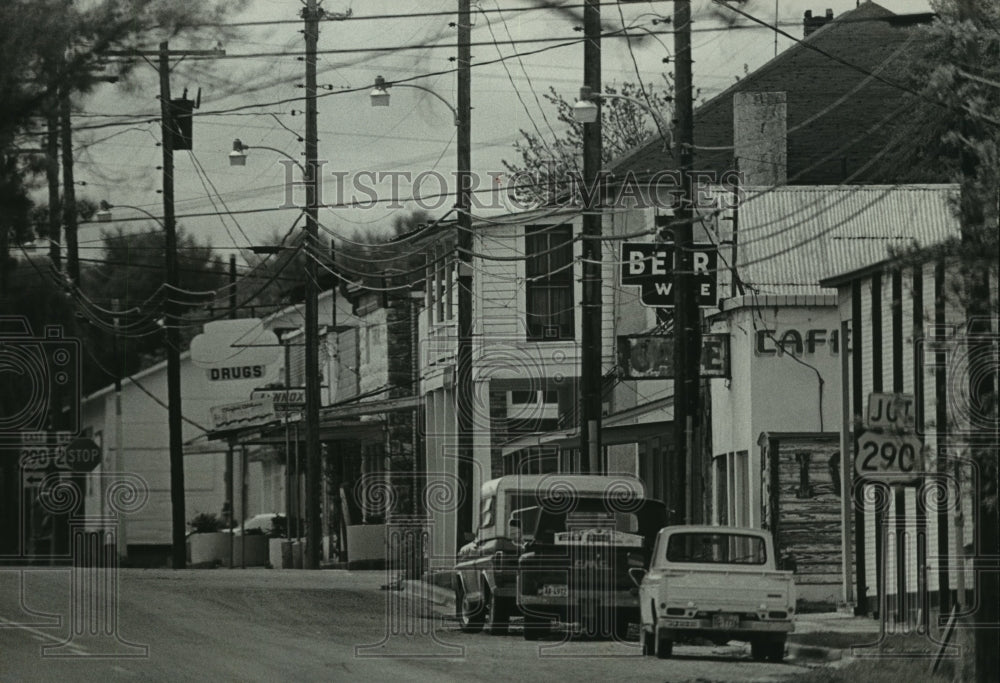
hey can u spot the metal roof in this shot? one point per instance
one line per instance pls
(791, 238)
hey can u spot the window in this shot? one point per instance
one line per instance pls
(549, 286)
(716, 548)
(486, 512)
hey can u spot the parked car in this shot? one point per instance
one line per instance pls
(575, 569)
(486, 569)
(718, 583)
(271, 524)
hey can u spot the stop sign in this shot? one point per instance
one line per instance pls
(82, 455)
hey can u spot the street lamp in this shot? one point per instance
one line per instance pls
(464, 387)
(587, 109)
(104, 215)
(380, 94)
(237, 157)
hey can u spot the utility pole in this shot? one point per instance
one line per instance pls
(311, 14)
(591, 372)
(168, 132)
(687, 317)
(119, 433)
(52, 173)
(178, 521)
(464, 389)
(228, 510)
(69, 191)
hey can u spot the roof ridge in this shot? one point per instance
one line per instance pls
(868, 9)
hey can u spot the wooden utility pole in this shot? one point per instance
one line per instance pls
(52, 174)
(69, 185)
(464, 390)
(311, 14)
(228, 509)
(119, 462)
(687, 318)
(177, 514)
(168, 132)
(591, 374)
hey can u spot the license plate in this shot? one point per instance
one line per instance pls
(726, 621)
(553, 591)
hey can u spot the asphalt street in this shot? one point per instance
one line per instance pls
(270, 625)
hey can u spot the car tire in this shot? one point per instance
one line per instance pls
(497, 617)
(775, 650)
(664, 648)
(534, 627)
(620, 627)
(648, 643)
(470, 614)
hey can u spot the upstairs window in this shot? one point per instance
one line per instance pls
(549, 282)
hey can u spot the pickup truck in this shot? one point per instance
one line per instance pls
(486, 569)
(718, 583)
(575, 568)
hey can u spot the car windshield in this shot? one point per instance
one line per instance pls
(716, 548)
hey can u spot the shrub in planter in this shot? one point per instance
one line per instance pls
(205, 523)
(208, 545)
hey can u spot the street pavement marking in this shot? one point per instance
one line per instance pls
(41, 635)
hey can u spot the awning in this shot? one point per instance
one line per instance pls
(336, 423)
(343, 430)
(649, 420)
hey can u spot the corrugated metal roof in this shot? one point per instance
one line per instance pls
(790, 238)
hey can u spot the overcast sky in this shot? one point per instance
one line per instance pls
(416, 133)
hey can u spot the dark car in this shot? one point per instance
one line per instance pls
(575, 569)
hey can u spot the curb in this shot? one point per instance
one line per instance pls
(814, 653)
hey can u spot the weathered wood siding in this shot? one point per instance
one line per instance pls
(807, 508)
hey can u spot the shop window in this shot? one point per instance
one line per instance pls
(549, 282)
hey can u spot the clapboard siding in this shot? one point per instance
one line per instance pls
(499, 312)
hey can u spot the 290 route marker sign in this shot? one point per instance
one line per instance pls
(893, 458)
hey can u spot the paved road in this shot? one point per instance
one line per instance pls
(270, 625)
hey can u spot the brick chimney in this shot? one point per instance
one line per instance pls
(811, 24)
(760, 137)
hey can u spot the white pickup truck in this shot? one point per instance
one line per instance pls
(718, 583)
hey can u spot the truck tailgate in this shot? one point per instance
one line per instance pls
(731, 591)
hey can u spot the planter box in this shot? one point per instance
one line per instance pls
(209, 548)
(256, 551)
(280, 552)
(366, 543)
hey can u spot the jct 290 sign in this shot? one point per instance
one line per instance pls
(650, 266)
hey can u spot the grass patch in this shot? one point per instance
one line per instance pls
(903, 658)
(874, 671)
